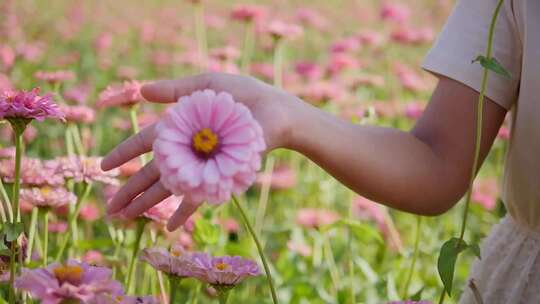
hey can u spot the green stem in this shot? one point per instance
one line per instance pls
(135, 128)
(136, 245)
(31, 234)
(70, 147)
(351, 258)
(479, 125)
(6, 201)
(405, 290)
(72, 218)
(248, 47)
(331, 262)
(45, 236)
(19, 146)
(77, 140)
(259, 249)
(195, 294)
(278, 63)
(265, 192)
(223, 297)
(154, 239)
(174, 281)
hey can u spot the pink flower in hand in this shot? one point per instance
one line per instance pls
(208, 147)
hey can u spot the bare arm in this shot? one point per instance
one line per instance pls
(424, 171)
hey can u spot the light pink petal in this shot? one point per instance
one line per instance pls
(238, 152)
(239, 136)
(224, 109)
(211, 173)
(191, 173)
(227, 166)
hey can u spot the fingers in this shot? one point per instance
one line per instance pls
(151, 197)
(167, 91)
(135, 185)
(132, 147)
(180, 216)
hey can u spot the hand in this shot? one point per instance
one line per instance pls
(270, 106)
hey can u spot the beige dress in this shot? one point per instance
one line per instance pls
(509, 271)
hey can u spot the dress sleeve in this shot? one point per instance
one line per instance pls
(464, 37)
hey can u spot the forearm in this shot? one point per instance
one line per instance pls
(387, 165)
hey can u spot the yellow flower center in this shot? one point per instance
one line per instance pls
(68, 273)
(119, 299)
(45, 190)
(176, 253)
(205, 141)
(221, 266)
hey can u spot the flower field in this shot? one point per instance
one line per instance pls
(71, 74)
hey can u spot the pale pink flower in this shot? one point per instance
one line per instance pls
(371, 38)
(125, 95)
(312, 18)
(7, 152)
(208, 147)
(7, 56)
(281, 30)
(78, 114)
(409, 79)
(93, 257)
(55, 77)
(28, 105)
(282, 177)
(185, 240)
(395, 12)
(226, 53)
(33, 173)
(340, 62)
(414, 110)
(248, 13)
(78, 94)
(485, 192)
(84, 169)
(299, 248)
(315, 218)
(264, 70)
(76, 281)
(230, 225)
(103, 42)
(161, 212)
(223, 271)
(47, 197)
(176, 262)
(504, 133)
(345, 45)
(363, 80)
(58, 227)
(31, 51)
(408, 35)
(321, 92)
(89, 212)
(127, 72)
(5, 83)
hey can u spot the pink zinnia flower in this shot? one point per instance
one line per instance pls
(299, 248)
(226, 53)
(55, 77)
(77, 94)
(395, 12)
(279, 29)
(315, 218)
(308, 70)
(208, 147)
(176, 262)
(7, 56)
(84, 169)
(309, 17)
(93, 257)
(504, 133)
(410, 79)
(372, 38)
(161, 212)
(248, 13)
(345, 45)
(74, 280)
(225, 271)
(82, 114)
(47, 197)
(5, 83)
(90, 212)
(125, 95)
(342, 61)
(485, 192)
(33, 173)
(282, 177)
(414, 110)
(58, 227)
(28, 105)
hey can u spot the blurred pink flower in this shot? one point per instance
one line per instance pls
(31, 51)
(78, 113)
(281, 30)
(127, 72)
(312, 18)
(395, 12)
(185, 240)
(226, 53)
(33, 173)
(369, 210)
(161, 212)
(75, 281)
(7, 152)
(208, 157)
(28, 105)
(248, 12)
(409, 79)
(371, 38)
(345, 45)
(177, 261)
(55, 77)
(77, 94)
(308, 70)
(363, 80)
(299, 248)
(504, 133)
(264, 70)
(125, 95)
(47, 197)
(321, 92)
(7, 56)
(89, 212)
(84, 169)
(408, 35)
(103, 42)
(340, 62)
(223, 271)
(93, 257)
(414, 110)
(58, 227)
(485, 192)
(282, 177)
(230, 225)
(315, 218)
(5, 83)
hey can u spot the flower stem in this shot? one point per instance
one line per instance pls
(79, 147)
(45, 235)
(153, 240)
(248, 46)
(278, 63)
(19, 146)
(259, 249)
(6, 201)
(136, 245)
(223, 297)
(135, 128)
(173, 287)
(200, 32)
(31, 234)
(479, 125)
(405, 290)
(72, 218)
(265, 192)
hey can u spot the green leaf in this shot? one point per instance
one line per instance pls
(13, 230)
(447, 261)
(493, 65)
(360, 229)
(418, 295)
(205, 233)
(475, 250)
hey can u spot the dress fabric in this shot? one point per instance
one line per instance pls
(509, 270)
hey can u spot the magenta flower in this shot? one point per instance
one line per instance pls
(55, 77)
(74, 280)
(414, 110)
(395, 12)
(279, 30)
(161, 212)
(224, 271)
(315, 218)
(28, 105)
(308, 70)
(176, 262)
(47, 197)
(208, 147)
(504, 133)
(125, 95)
